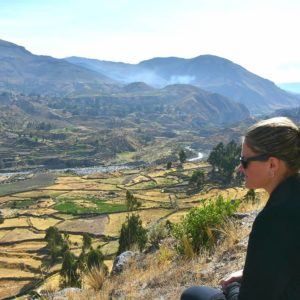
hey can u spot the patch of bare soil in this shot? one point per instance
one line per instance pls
(94, 226)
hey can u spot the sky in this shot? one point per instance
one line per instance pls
(260, 35)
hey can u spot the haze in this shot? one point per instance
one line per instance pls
(259, 35)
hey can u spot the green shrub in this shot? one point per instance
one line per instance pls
(157, 232)
(201, 223)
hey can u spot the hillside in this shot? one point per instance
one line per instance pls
(24, 72)
(211, 73)
(127, 126)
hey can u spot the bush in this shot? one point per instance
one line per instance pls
(199, 227)
(157, 232)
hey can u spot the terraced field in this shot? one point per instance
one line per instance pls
(93, 204)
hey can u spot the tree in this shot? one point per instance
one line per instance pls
(169, 165)
(131, 202)
(132, 234)
(182, 156)
(86, 241)
(69, 272)
(216, 155)
(197, 179)
(56, 244)
(224, 160)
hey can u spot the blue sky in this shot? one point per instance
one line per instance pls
(260, 35)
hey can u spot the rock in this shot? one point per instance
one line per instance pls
(120, 261)
(117, 294)
(65, 293)
(240, 216)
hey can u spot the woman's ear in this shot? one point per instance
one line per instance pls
(274, 163)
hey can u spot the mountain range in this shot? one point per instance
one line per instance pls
(211, 73)
(24, 72)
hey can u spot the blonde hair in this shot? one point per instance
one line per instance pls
(278, 137)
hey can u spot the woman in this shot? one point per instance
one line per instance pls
(270, 159)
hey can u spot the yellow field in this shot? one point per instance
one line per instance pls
(4, 199)
(154, 195)
(15, 222)
(20, 262)
(177, 217)
(6, 273)
(20, 234)
(22, 247)
(110, 248)
(43, 223)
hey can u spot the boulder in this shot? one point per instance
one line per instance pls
(122, 260)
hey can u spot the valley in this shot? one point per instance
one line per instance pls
(77, 134)
(93, 204)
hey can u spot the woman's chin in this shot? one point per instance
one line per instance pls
(249, 186)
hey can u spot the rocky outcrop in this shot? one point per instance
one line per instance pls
(121, 261)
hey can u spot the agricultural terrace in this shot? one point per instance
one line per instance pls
(93, 204)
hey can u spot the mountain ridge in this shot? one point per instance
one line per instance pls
(22, 71)
(209, 72)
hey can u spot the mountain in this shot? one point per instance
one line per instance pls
(22, 71)
(172, 107)
(211, 73)
(64, 132)
(119, 71)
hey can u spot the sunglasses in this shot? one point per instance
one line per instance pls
(246, 160)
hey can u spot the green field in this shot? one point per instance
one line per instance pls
(71, 207)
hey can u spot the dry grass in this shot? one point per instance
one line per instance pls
(95, 278)
(262, 198)
(17, 235)
(43, 223)
(14, 222)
